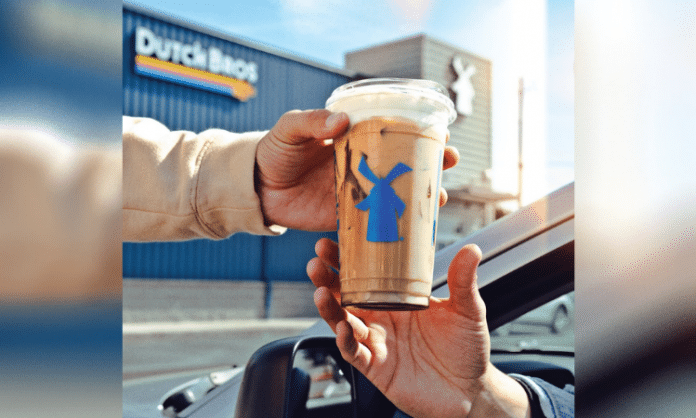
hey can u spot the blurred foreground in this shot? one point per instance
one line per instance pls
(60, 267)
(635, 206)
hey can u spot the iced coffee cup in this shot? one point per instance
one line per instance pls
(388, 170)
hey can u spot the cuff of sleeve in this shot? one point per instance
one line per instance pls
(225, 197)
(540, 403)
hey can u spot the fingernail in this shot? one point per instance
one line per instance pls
(332, 120)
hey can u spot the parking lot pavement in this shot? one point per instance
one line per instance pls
(180, 325)
(155, 348)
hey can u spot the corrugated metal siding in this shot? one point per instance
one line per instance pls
(397, 59)
(286, 256)
(238, 257)
(423, 57)
(471, 135)
(283, 84)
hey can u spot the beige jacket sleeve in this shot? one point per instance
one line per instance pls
(179, 185)
(60, 219)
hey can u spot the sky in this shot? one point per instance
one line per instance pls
(532, 39)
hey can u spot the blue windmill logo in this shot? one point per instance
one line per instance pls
(383, 204)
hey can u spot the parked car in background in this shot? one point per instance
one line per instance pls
(555, 317)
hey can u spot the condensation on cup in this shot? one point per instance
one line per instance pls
(388, 171)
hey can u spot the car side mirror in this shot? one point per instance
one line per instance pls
(296, 377)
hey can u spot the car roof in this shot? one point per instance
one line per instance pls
(512, 230)
(528, 258)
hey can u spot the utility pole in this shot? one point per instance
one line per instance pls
(520, 104)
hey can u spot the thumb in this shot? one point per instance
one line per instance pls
(296, 126)
(461, 279)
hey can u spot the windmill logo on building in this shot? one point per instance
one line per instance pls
(462, 87)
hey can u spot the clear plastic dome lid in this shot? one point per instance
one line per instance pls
(397, 95)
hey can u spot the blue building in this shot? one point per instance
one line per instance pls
(191, 78)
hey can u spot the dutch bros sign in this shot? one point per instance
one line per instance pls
(193, 65)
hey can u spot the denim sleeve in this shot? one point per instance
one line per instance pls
(547, 400)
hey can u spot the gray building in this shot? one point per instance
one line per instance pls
(472, 203)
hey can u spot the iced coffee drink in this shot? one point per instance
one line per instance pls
(388, 170)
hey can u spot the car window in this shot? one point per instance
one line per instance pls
(327, 384)
(550, 326)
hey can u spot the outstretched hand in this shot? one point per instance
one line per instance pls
(433, 362)
(295, 174)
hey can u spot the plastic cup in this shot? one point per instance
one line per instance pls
(388, 171)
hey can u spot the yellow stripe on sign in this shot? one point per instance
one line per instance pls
(240, 89)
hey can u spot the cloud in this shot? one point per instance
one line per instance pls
(335, 19)
(413, 13)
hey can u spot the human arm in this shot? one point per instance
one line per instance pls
(434, 362)
(547, 400)
(295, 170)
(180, 185)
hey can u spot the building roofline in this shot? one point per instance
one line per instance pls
(236, 39)
(424, 37)
(382, 44)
